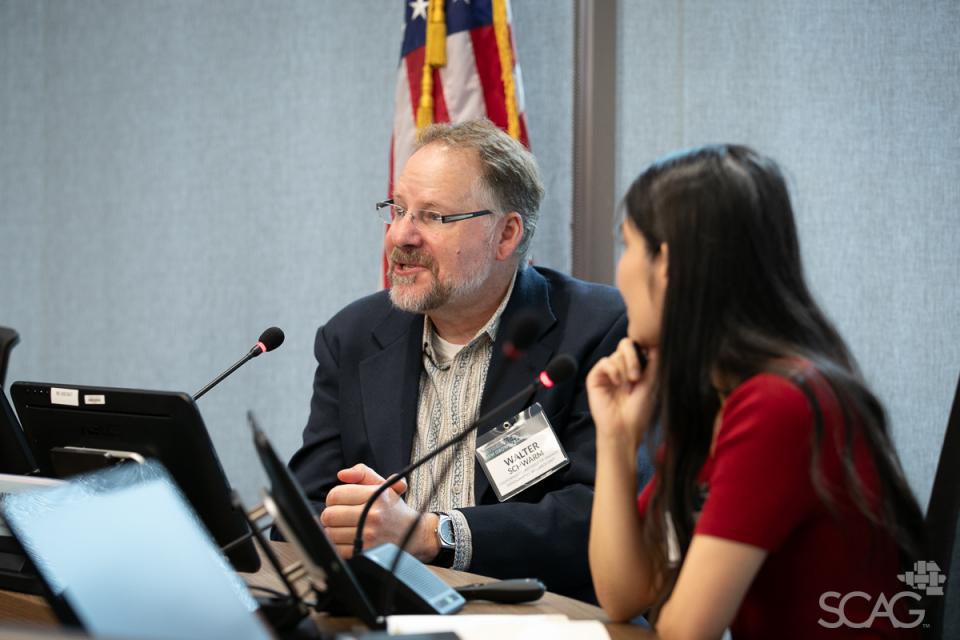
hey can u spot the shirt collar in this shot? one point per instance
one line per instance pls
(490, 329)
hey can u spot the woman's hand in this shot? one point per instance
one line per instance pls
(620, 391)
(621, 394)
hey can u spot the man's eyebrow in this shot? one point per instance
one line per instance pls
(429, 205)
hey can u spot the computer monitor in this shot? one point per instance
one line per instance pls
(162, 425)
(122, 555)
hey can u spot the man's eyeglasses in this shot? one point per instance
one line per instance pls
(391, 212)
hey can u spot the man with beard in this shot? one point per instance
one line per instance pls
(402, 371)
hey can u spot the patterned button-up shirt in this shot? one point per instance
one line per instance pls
(451, 388)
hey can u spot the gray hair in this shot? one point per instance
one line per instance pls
(510, 174)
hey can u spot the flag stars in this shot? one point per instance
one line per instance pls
(419, 9)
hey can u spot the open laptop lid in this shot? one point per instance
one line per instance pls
(298, 522)
(367, 578)
(122, 555)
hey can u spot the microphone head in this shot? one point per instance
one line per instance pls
(560, 369)
(523, 331)
(270, 339)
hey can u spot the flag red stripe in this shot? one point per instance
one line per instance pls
(414, 62)
(488, 67)
(440, 113)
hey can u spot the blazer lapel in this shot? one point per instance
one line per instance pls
(390, 379)
(506, 378)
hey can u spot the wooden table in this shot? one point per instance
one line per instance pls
(18, 608)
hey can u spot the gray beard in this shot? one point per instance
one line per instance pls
(438, 294)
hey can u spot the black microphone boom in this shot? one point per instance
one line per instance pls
(269, 340)
(559, 369)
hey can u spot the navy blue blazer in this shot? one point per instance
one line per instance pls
(364, 409)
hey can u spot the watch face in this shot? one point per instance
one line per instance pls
(446, 531)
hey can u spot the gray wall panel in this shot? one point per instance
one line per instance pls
(857, 100)
(544, 40)
(176, 176)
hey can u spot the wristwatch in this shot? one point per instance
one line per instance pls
(447, 539)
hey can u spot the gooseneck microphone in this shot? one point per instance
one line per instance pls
(560, 369)
(523, 331)
(268, 341)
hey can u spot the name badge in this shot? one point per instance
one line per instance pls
(520, 453)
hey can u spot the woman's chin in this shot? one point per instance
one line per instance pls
(642, 339)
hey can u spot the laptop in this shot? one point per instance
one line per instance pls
(121, 554)
(362, 586)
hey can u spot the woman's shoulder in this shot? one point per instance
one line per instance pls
(778, 403)
(784, 381)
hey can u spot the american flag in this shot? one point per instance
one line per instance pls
(460, 49)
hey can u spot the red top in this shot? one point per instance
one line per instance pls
(760, 492)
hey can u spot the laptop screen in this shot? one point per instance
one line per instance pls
(128, 557)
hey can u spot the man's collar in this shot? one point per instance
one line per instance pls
(490, 329)
(530, 291)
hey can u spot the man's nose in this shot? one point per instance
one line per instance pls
(404, 232)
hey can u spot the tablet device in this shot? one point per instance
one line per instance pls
(121, 554)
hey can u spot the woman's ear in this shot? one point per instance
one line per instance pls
(662, 264)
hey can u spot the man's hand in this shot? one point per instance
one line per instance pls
(387, 521)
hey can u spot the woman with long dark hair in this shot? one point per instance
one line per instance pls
(777, 488)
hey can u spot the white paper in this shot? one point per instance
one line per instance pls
(501, 627)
